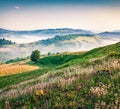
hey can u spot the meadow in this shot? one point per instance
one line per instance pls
(82, 80)
(19, 67)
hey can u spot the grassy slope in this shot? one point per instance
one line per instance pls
(74, 95)
(103, 51)
(64, 60)
(60, 61)
(48, 63)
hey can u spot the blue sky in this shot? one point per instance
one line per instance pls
(31, 2)
(96, 15)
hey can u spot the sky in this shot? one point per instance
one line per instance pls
(94, 15)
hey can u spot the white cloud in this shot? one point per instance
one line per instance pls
(17, 7)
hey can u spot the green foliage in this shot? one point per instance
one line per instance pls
(49, 53)
(35, 56)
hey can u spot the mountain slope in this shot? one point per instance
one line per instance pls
(103, 51)
(86, 84)
(68, 59)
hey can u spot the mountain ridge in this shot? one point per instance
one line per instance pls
(57, 30)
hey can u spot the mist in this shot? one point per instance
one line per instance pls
(73, 45)
(26, 38)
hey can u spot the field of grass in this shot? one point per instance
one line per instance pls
(87, 80)
(20, 67)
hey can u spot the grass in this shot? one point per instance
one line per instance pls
(64, 60)
(8, 69)
(70, 80)
(102, 51)
(96, 89)
(6, 81)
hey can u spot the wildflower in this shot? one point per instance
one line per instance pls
(7, 104)
(40, 92)
(100, 90)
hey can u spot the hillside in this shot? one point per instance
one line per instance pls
(59, 43)
(67, 80)
(103, 51)
(58, 39)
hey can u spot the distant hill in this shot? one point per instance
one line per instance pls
(72, 42)
(35, 35)
(4, 31)
(58, 31)
(58, 38)
(59, 43)
(52, 40)
(115, 34)
(43, 34)
(5, 42)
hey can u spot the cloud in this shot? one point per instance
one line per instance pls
(17, 7)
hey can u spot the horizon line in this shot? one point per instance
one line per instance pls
(60, 28)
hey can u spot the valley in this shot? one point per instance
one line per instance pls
(53, 40)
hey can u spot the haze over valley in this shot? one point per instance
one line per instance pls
(53, 40)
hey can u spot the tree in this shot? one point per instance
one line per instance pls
(49, 53)
(35, 56)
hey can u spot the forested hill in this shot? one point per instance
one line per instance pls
(5, 42)
(62, 38)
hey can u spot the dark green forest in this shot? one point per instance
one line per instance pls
(5, 42)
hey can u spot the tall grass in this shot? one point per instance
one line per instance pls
(78, 86)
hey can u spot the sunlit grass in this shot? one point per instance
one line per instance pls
(8, 69)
